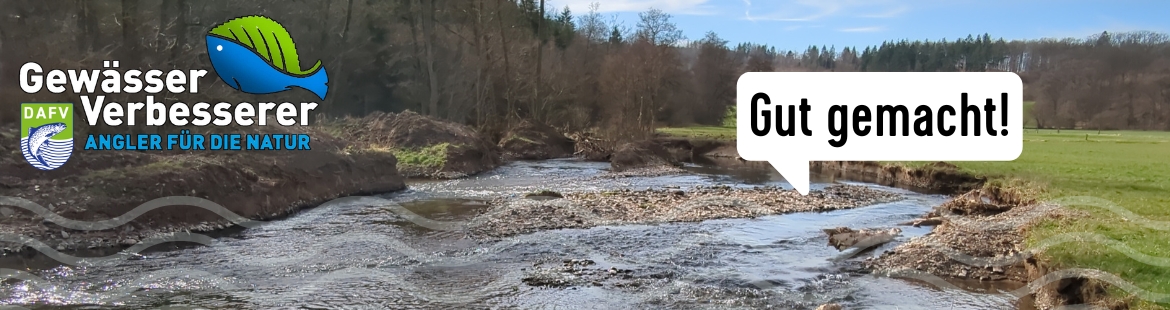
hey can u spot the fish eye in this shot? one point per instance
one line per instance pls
(219, 48)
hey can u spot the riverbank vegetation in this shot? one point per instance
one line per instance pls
(1125, 168)
(495, 64)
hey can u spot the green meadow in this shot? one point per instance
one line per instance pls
(1130, 169)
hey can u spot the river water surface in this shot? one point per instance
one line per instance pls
(362, 256)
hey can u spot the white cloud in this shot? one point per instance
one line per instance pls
(891, 13)
(813, 10)
(863, 29)
(689, 7)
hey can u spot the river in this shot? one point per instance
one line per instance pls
(362, 256)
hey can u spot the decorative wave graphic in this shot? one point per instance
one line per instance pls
(97, 261)
(55, 153)
(1078, 237)
(1049, 278)
(215, 208)
(479, 255)
(1075, 237)
(121, 292)
(116, 293)
(1125, 214)
(128, 216)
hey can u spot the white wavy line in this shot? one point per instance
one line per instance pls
(1113, 207)
(128, 216)
(1078, 237)
(122, 291)
(1049, 278)
(359, 273)
(1044, 209)
(333, 242)
(312, 286)
(93, 261)
(217, 209)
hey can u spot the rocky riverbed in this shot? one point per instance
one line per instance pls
(577, 210)
(979, 237)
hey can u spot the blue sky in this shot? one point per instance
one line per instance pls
(796, 24)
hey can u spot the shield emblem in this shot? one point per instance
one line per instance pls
(46, 134)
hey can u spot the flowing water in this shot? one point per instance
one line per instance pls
(363, 256)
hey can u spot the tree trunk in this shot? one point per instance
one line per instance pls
(428, 48)
(131, 41)
(507, 74)
(537, 102)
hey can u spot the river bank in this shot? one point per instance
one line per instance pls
(103, 199)
(343, 163)
(120, 198)
(1097, 184)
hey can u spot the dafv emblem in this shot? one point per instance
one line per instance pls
(256, 55)
(46, 134)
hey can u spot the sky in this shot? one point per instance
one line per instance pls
(796, 24)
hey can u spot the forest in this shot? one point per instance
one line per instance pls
(494, 63)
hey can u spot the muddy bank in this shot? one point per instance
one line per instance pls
(939, 177)
(533, 141)
(980, 236)
(258, 185)
(579, 210)
(642, 154)
(425, 147)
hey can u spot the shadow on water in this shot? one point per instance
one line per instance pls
(345, 256)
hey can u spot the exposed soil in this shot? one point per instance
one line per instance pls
(1071, 291)
(980, 236)
(100, 185)
(467, 152)
(717, 149)
(985, 224)
(642, 154)
(937, 177)
(579, 210)
(533, 141)
(680, 150)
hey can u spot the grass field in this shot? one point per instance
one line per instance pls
(1131, 169)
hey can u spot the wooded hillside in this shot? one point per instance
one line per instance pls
(491, 63)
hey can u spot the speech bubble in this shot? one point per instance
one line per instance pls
(835, 116)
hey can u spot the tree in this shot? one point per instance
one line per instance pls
(565, 30)
(591, 26)
(655, 26)
(715, 77)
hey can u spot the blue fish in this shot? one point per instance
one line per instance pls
(37, 136)
(242, 69)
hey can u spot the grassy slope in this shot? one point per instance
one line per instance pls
(1129, 168)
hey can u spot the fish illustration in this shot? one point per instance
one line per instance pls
(38, 136)
(242, 69)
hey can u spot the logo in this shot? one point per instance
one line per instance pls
(256, 55)
(46, 134)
